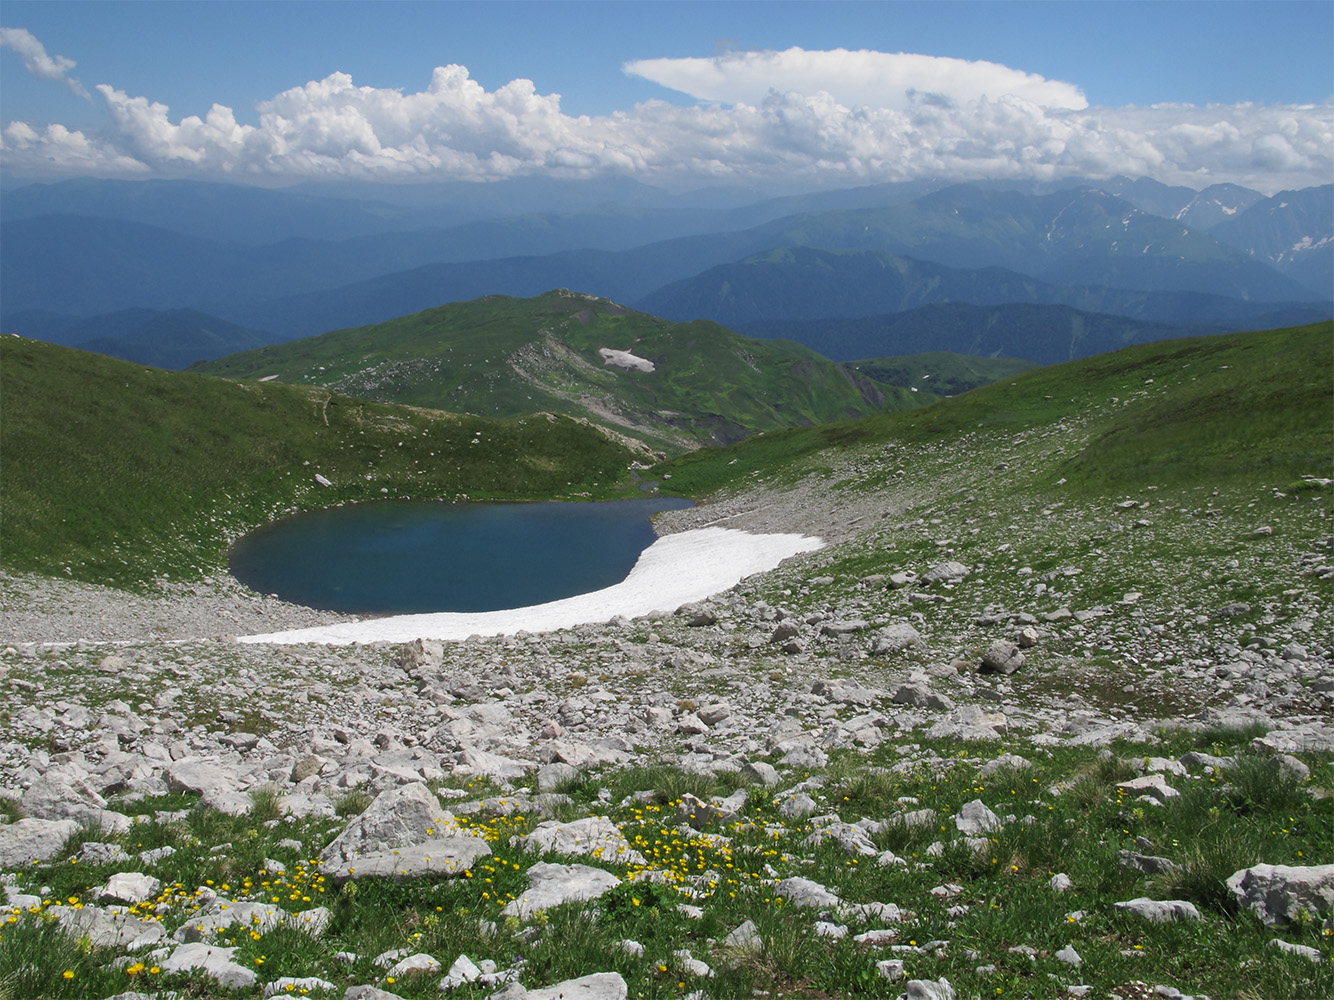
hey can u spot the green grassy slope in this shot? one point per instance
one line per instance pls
(115, 473)
(940, 373)
(502, 356)
(1247, 407)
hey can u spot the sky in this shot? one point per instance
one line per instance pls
(679, 94)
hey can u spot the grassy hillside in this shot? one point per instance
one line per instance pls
(115, 473)
(501, 356)
(940, 373)
(1237, 408)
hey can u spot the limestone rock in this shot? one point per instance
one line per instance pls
(928, 989)
(442, 857)
(294, 986)
(1155, 786)
(745, 938)
(408, 814)
(215, 963)
(195, 774)
(599, 986)
(29, 840)
(1002, 657)
(596, 836)
(129, 887)
(1160, 911)
(946, 572)
(1280, 893)
(894, 639)
(802, 892)
(974, 817)
(551, 885)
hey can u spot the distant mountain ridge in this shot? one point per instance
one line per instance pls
(803, 283)
(1040, 334)
(672, 385)
(1098, 248)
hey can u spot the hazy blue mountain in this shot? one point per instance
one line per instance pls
(1197, 209)
(1293, 231)
(1042, 334)
(802, 283)
(1080, 236)
(175, 338)
(92, 266)
(226, 213)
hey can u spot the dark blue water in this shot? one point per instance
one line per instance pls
(410, 557)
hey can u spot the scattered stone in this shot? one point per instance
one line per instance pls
(214, 962)
(550, 885)
(927, 989)
(974, 817)
(894, 639)
(802, 892)
(447, 856)
(745, 938)
(1002, 657)
(1154, 786)
(1160, 911)
(401, 816)
(596, 836)
(1282, 893)
(29, 840)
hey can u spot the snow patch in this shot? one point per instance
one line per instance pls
(674, 570)
(626, 360)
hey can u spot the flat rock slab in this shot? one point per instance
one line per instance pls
(195, 774)
(106, 929)
(551, 885)
(30, 840)
(448, 856)
(803, 892)
(216, 963)
(596, 836)
(599, 986)
(289, 985)
(1160, 911)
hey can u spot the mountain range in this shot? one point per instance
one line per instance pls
(257, 266)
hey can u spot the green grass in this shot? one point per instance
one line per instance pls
(1003, 900)
(502, 357)
(118, 474)
(940, 373)
(1239, 408)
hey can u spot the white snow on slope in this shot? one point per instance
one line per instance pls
(674, 570)
(624, 359)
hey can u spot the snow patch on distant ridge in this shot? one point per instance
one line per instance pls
(624, 359)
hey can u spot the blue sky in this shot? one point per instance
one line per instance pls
(1122, 56)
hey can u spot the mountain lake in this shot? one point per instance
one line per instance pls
(420, 556)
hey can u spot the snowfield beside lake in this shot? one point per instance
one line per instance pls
(674, 570)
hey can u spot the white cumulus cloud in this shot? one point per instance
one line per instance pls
(36, 60)
(456, 129)
(862, 78)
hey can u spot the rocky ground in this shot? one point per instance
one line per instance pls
(950, 610)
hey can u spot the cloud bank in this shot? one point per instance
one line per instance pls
(815, 119)
(862, 78)
(37, 62)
